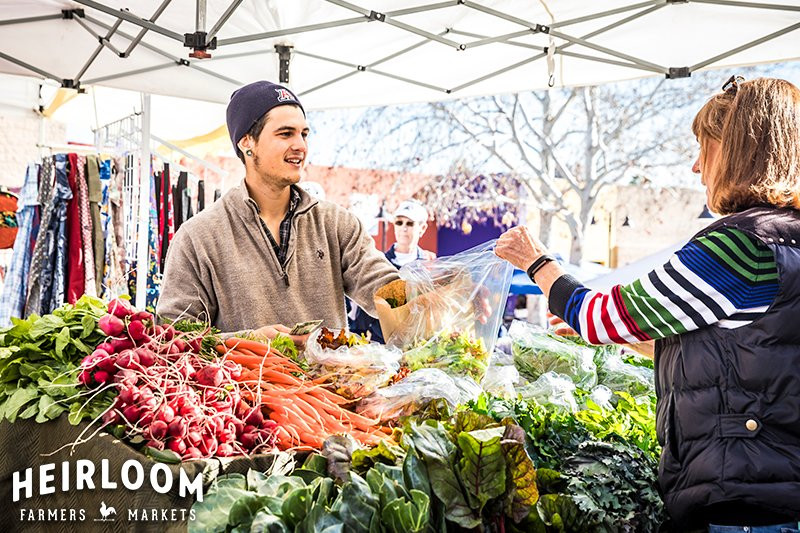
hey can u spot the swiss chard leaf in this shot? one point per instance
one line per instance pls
(482, 466)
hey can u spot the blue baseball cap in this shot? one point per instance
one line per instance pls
(250, 103)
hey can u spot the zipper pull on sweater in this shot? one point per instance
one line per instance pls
(286, 278)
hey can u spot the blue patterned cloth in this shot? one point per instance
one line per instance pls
(15, 288)
(45, 199)
(53, 277)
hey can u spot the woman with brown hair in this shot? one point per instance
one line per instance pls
(723, 313)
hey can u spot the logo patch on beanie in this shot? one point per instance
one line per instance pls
(284, 95)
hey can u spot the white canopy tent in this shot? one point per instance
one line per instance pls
(336, 53)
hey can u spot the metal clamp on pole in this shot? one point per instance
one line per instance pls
(197, 42)
(284, 52)
(678, 72)
(374, 15)
(69, 14)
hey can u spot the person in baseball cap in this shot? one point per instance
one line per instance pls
(268, 255)
(410, 221)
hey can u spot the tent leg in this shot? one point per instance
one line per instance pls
(143, 237)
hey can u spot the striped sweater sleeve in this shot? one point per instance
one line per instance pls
(725, 277)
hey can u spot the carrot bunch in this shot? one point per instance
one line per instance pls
(306, 412)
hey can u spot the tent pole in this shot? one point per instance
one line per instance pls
(143, 237)
(103, 42)
(751, 44)
(30, 19)
(133, 19)
(37, 70)
(168, 56)
(156, 14)
(735, 3)
(640, 62)
(224, 18)
(131, 73)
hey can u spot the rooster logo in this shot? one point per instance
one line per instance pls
(105, 512)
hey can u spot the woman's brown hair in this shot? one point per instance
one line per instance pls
(708, 123)
(760, 159)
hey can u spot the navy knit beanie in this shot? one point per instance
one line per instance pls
(250, 103)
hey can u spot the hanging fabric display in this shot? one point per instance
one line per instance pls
(95, 195)
(12, 301)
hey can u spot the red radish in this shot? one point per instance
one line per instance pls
(106, 346)
(101, 376)
(108, 364)
(180, 344)
(169, 332)
(224, 450)
(131, 414)
(250, 440)
(194, 437)
(128, 394)
(192, 453)
(111, 325)
(166, 414)
(157, 444)
(238, 427)
(111, 417)
(146, 418)
(210, 376)
(85, 377)
(127, 377)
(177, 428)
(269, 425)
(146, 356)
(254, 417)
(142, 316)
(136, 330)
(128, 359)
(195, 344)
(177, 445)
(120, 308)
(158, 429)
(121, 343)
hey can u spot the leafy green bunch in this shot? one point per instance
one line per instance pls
(40, 359)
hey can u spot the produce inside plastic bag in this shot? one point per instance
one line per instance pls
(446, 295)
(354, 371)
(551, 390)
(458, 354)
(537, 351)
(415, 392)
(618, 375)
(501, 377)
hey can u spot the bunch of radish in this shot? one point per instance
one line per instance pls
(169, 394)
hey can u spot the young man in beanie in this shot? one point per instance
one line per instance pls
(267, 255)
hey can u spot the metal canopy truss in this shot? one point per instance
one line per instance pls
(509, 33)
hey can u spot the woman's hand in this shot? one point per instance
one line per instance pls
(519, 247)
(561, 328)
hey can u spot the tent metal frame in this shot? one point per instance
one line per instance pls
(201, 41)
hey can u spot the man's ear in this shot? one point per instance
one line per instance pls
(422, 228)
(246, 143)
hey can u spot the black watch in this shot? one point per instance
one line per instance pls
(538, 264)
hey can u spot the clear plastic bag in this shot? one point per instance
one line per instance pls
(355, 371)
(618, 375)
(501, 377)
(602, 397)
(445, 296)
(416, 391)
(458, 354)
(537, 351)
(551, 390)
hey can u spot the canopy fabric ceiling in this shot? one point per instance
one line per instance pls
(371, 52)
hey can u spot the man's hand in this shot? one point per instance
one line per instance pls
(272, 331)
